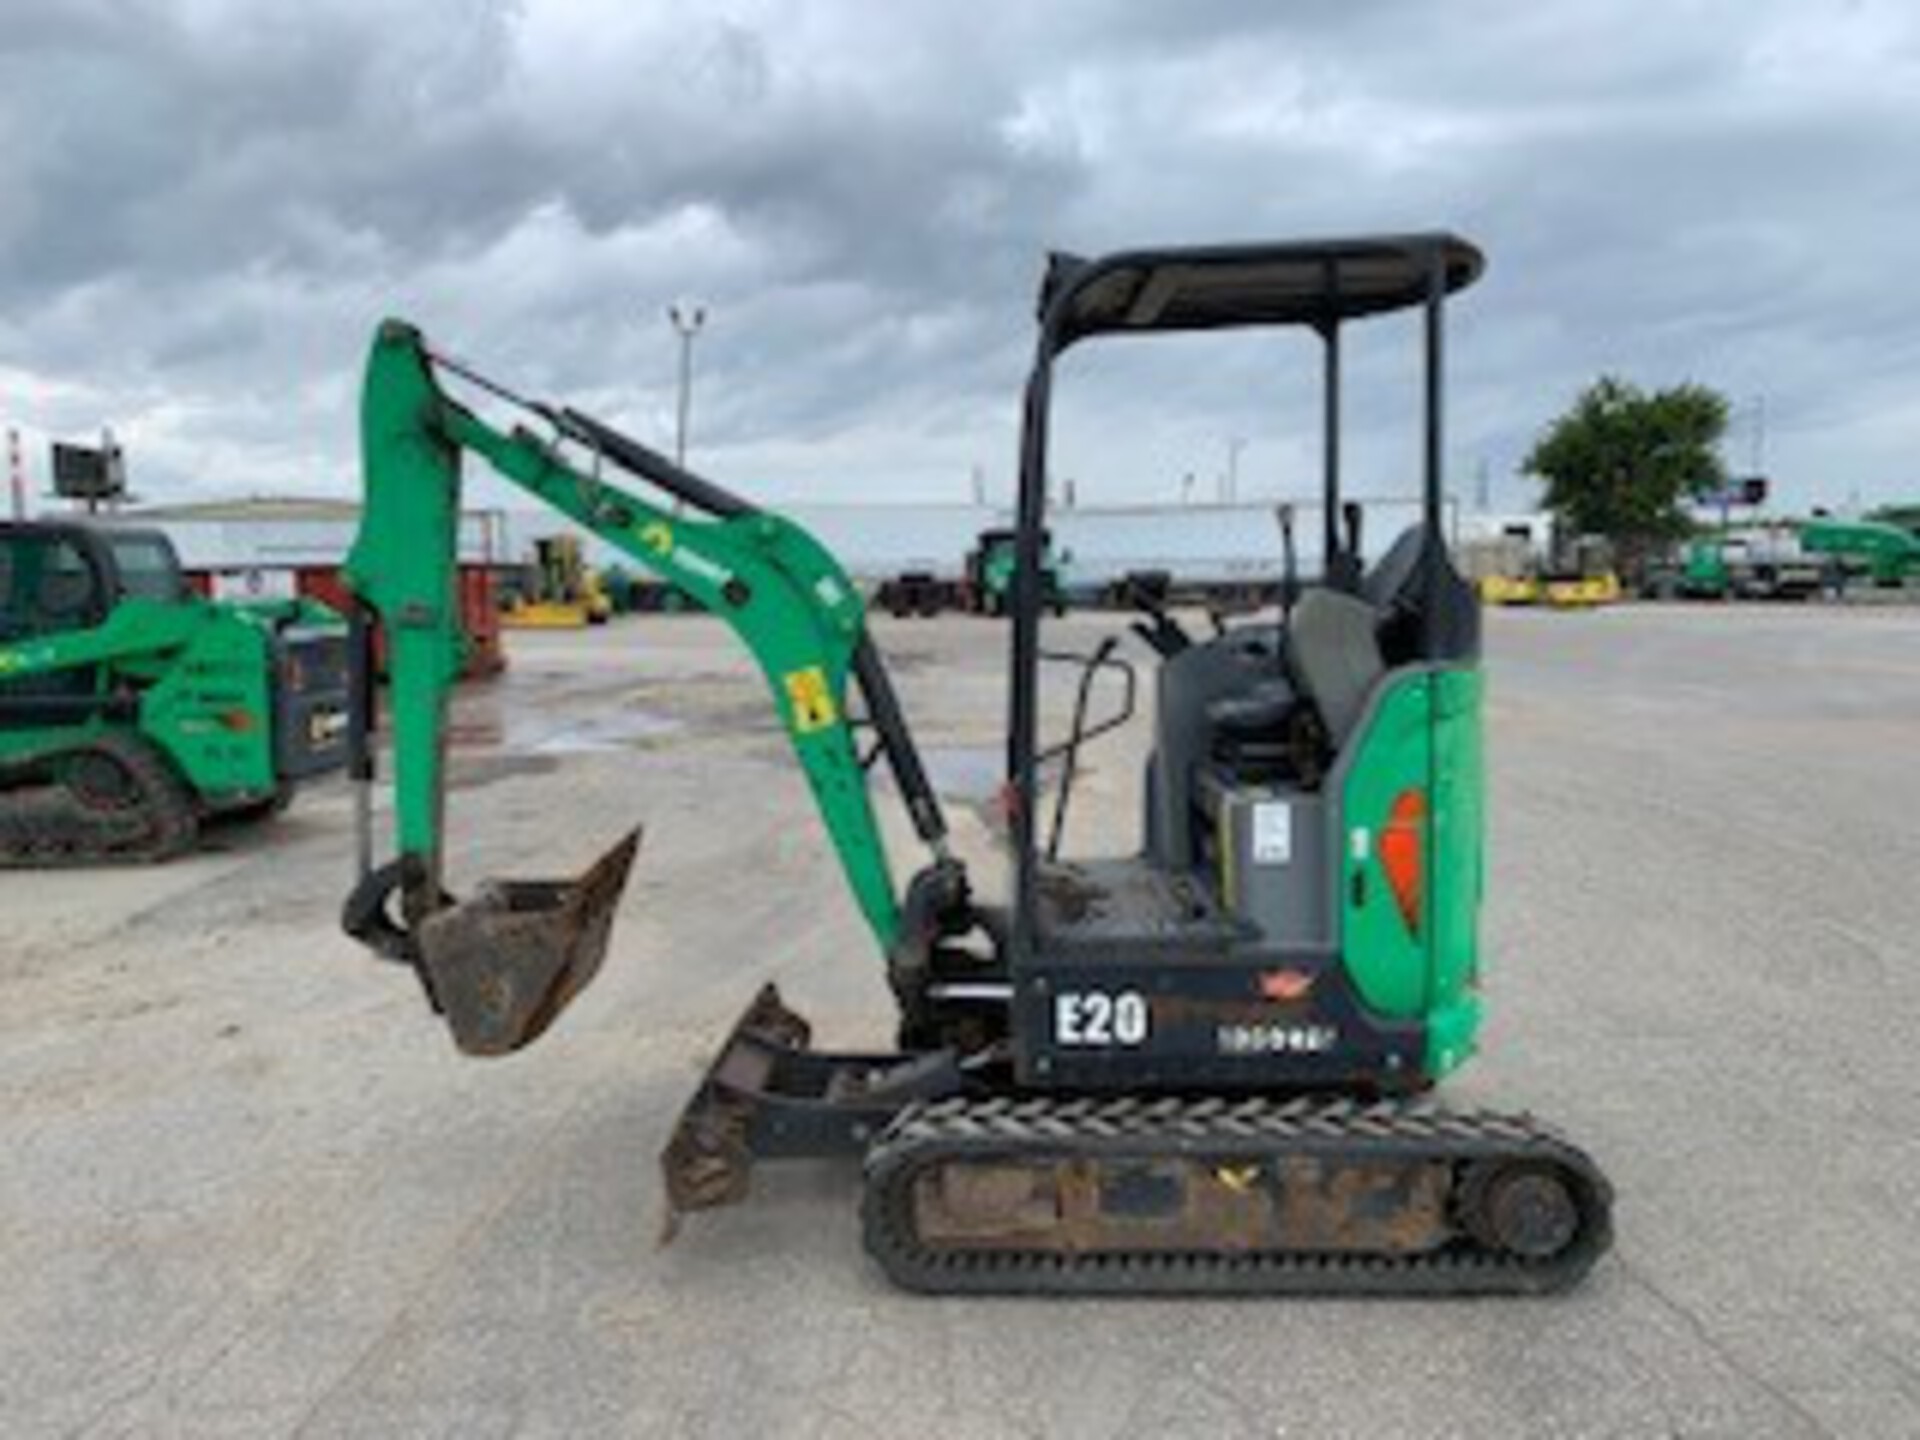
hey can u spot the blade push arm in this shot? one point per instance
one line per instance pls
(775, 586)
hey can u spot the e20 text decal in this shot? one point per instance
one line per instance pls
(1095, 1017)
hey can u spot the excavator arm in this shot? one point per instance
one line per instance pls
(501, 965)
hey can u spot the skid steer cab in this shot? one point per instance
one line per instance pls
(1197, 1062)
(132, 709)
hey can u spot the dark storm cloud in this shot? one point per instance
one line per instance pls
(212, 201)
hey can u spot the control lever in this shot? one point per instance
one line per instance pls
(1290, 564)
(1344, 566)
(1163, 634)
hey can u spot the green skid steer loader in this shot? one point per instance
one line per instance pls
(131, 708)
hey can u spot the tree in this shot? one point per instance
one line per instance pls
(1622, 462)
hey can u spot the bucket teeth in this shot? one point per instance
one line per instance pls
(504, 964)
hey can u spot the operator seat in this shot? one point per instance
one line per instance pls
(1338, 647)
(1331, 659)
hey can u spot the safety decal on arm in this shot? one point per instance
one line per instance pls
(812, 701)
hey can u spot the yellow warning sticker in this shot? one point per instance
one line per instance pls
(813, 707)
(657, 536)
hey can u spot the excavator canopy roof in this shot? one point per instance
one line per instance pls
(1211, 287)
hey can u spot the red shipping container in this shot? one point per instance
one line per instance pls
(479, 610)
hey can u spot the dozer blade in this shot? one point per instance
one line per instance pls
(504, 964)
(707, 1161)
(769, 1093)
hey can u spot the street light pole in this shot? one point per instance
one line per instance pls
(1235, 444)
(686, 321)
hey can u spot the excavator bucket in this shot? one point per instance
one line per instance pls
(504, 964)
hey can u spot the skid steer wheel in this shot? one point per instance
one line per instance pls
(1524, 1208)
(101, 782)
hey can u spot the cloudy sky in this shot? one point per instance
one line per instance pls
(210, 203)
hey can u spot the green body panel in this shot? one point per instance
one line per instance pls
(204, 673)
(1424, 735)
(775, 585)
(1886, 552)
(1704, 570)
(1456, 882)
(1394, 753)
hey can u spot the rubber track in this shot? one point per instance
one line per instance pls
(1253, 1128)
(44, 827)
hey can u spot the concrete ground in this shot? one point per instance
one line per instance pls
(249, 1188)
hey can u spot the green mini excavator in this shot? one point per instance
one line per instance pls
(1196, 1067)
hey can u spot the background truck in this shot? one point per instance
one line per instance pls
(990, 566)
(1875, 550)
(1760, 563)
(918, 592)
(1566, 572)
(132, 708)
(556, 590)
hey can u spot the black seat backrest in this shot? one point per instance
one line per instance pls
(1334, 649)
(1396, 587)
(1395, 574)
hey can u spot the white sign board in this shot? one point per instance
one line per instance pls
(253, 583)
